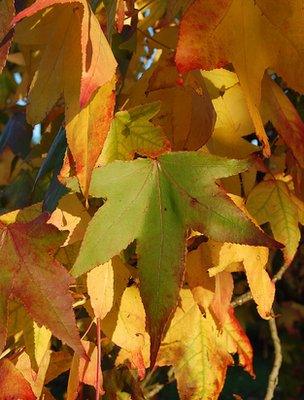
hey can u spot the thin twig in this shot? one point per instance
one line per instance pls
(98, 360)
(274, 375)
(147, 36)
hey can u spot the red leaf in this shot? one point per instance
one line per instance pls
(31, 275)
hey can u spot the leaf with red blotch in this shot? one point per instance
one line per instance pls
(7, 13)
(31, 275)
(76, 58)
(279, 109)
(87, 129)
(215, 33)
(13, 385)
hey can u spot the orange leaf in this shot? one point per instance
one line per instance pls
(87, 129)
(97, 61)
(13, 385)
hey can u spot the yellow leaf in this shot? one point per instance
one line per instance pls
(253, 36)
(254, 260)
(63, 32)
(100, 283)
(233, 122)
(194, 348)
(71, 215)
(125, 324)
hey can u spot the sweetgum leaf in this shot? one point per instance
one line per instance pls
(155, 202)
(252, 36)
(65, 32)
(31, 275)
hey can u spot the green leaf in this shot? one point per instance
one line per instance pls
(155, 202)
(132, 132)
(272, 201)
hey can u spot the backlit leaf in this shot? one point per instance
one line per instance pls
(251, 36)
(272, 201)
(156, 202)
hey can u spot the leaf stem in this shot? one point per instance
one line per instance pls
(98, 359)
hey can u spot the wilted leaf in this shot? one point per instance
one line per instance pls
(187, 115)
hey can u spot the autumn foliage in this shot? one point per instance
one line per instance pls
(161, 187)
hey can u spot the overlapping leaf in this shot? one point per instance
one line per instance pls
(156, 202)
(31, 275)
(272, 201)
(212, 34)
(12, 383)
(132, 132)
(198, 356)
(76, 59)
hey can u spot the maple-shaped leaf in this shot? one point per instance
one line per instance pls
(272, 201)
(76, 58)
(250, 35)
(155, 202)
(12, 383)
(7, 13)
(132, 132)
(196, 352)
(31, 275)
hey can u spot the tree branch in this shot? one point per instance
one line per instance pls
(274, 375)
